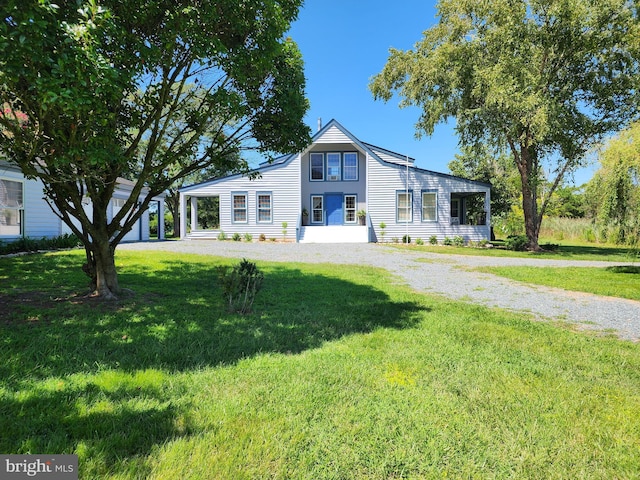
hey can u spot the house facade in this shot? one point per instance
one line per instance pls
(25, 213)
(339, 190)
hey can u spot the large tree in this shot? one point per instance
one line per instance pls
(150, 90)
(544, 79)
(615, 188)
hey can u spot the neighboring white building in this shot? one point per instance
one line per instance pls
(25, 213)
(332, 181)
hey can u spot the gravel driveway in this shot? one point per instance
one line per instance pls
(442, 274)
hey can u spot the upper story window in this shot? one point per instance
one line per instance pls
(11, 207)
(333, 167)
(350, 166)
(317, 166)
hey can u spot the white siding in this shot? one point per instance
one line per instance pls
(385, 180)
(333, 135)
(282, 181)
(39, 220)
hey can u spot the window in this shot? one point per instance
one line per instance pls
(333, 167)
(455, 211)
(264, 207)
(349, 209)
(239, 206)
(350, 166)
(429, 206)
(119, 202)
(317, 215)
(11, 207)
(404, 206)
(317, 166)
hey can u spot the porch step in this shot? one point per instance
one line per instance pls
(334, 234)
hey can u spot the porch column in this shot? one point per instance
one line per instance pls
(183, 216)
(161, 219)
(487, 208)
(194, 213)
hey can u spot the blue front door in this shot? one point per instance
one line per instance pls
(333, 204)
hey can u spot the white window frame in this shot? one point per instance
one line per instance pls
(317, 156)
(335, 176)
(350, 210)
(260, 209)
(317, 210)
(434, 194)
(17, 210)
(408, 209)
(346, 169)
(245, 209)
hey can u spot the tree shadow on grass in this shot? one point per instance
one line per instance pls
(175, 322)
(631, 269)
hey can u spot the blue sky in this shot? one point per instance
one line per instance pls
(346, 42)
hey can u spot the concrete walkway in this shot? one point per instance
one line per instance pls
(442, 274)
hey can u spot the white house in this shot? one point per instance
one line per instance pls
(25, 213)
(320, 192)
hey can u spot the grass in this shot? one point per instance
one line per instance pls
(620, 281)
(338, 373)
(564, 251)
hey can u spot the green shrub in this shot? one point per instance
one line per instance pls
(26, 244)
(248, 237)
(458, 241)
(419, 241)
(447, 241)
(239, 285)
(222, 236)
(236, 237)
(406, 239)
(516, 242)
(433, 240)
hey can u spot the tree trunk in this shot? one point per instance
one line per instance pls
(101, 268)
(527, 166)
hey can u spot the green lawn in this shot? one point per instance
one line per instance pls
(622, 281)
(563, 251)
(338, 373)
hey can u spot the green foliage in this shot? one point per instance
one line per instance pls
(239, 285)
(236, 237)
(447, 241)
(222, 236)
(614, 190)
(533, 78)
(433, 240)
(406, 239)
(248, 237)
(458, 241)
(284, 229)
(26, 244)
(419, 241)
(154, 92)
(516, 242)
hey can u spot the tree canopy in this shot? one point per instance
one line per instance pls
(543, 79)
(95, 90)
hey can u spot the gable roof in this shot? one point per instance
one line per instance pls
(382, 155)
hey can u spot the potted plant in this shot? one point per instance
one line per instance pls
(362, 216)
